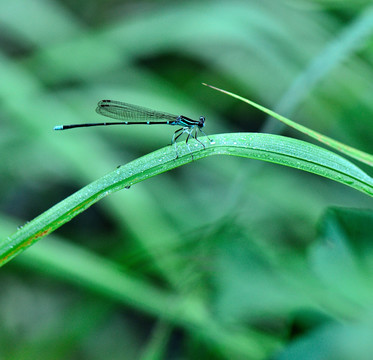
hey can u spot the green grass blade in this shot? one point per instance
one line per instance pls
(351, 39)
(345, 149)
(78, 266)
(266, 147)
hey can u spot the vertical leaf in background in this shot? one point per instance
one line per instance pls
(351, 39)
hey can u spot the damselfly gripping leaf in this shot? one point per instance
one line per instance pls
(128, 114)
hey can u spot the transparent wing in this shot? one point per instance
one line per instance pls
(128, 112)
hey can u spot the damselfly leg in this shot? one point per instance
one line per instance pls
(192, 133)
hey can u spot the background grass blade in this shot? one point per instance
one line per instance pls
(345, 149)
(82, 268)
(351, 39)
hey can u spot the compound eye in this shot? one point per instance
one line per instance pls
(201, 122)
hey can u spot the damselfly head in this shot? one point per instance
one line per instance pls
(201, 122)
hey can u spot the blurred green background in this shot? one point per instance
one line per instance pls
(224, 258)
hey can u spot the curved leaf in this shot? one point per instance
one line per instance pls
(272, 148)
